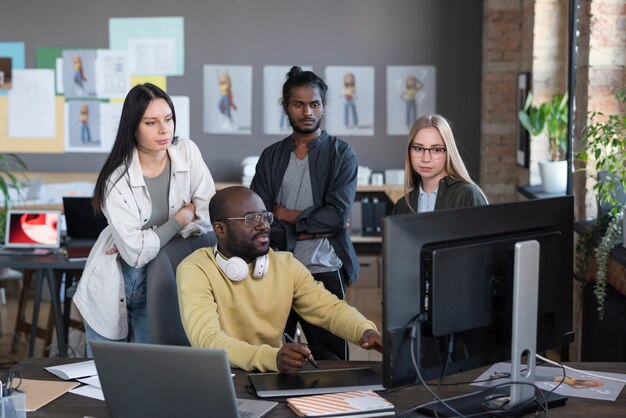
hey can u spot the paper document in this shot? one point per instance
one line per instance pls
(41, 392)
(74, 370)
(92, 381)
(89, 391)
(576, 384)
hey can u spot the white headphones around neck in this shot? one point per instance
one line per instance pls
(236, 269)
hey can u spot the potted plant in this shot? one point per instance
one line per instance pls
(604, 155)
(11, 166)
(549, 118)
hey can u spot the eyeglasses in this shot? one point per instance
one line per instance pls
(253, 219)
(436, 153)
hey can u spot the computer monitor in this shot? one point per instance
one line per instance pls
(448, 283)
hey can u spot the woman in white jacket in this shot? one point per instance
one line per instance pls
(152, 186)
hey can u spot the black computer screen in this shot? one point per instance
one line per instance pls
(448, 285)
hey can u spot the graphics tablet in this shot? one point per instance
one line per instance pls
(313, 382)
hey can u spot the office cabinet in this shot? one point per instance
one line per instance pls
(369, 275)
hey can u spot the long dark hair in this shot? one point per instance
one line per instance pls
(296, 77)
(135, 105)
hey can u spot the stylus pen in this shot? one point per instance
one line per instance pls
(309, 359)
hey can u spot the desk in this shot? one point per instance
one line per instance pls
(70, 405)
(53, 266)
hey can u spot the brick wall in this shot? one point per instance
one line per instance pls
(601, 70)
(507, 50)
(519, 36)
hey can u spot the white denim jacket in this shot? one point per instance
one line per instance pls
(100, 296)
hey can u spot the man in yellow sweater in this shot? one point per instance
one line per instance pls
(238, 295)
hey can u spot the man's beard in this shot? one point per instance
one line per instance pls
(299, 130)
(246, 249)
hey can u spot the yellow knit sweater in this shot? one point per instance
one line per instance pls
(247, 318)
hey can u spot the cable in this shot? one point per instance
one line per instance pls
(555, 363)
(445, 367)
(543, 405)
(413, 337)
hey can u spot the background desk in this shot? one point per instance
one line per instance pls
(70, 405)
(52, 267)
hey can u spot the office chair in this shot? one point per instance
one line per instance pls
(163, 315)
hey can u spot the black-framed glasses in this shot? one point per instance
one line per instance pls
(435, 152)
(253, 219)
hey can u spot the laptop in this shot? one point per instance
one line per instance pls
(31, 232)
(81, 222)
(164, 381)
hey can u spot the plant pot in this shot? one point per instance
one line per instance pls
(553, 176)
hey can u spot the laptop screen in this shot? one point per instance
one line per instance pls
(32, 229)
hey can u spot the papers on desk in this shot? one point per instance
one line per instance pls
(92, 381)
(41, 392)
(74, 370)
(89, 391)
(85, 370)
(576, 384)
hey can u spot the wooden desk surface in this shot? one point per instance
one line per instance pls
(70, 405)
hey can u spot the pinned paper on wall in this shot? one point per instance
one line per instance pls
(158, 80)
(152, 56)
(158, 34)
(11, 58)
(411, 93)
(51, 58)
(181, 106)
(31, 104)
(227, 99)
(91, 126)
(113, 78)
(110, 114)
(26, 145)
(79, 73)
(351, 100)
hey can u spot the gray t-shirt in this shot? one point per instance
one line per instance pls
(159, 191)
(295, 193)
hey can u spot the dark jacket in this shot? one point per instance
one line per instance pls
(333, 167)
(452, 194)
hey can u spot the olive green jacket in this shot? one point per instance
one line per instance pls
(452, 194)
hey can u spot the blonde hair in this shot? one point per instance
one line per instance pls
(455, 167)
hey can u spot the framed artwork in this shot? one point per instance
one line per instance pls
(522, 137)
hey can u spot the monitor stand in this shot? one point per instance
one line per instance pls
(521, 397)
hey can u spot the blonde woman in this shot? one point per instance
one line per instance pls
(435, 175)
